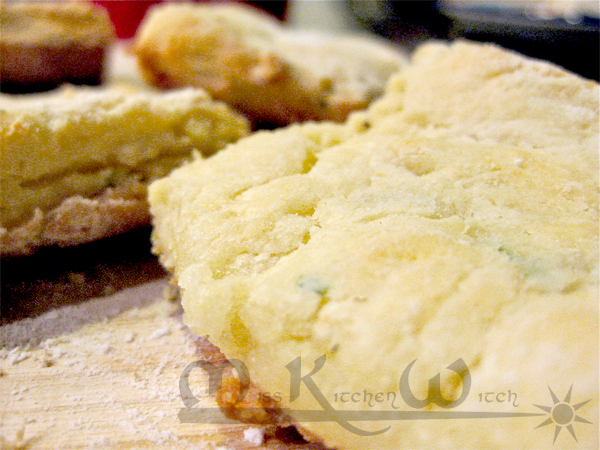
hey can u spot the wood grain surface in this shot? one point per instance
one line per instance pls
(78, 370)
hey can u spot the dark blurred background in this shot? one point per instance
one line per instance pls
(554, 31)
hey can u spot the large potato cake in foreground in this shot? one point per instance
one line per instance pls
(454, 223)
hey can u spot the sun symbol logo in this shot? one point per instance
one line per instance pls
(562, 414)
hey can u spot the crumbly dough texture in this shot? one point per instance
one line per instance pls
(456, 218)
(271, 73)
(75, 163)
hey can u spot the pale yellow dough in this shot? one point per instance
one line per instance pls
(456, 218)
(75, 162)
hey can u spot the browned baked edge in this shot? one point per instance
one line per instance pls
(78, 220)
(262, 88)
(255, 408)
(33, 68)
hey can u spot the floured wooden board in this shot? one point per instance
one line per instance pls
(91, 348)
(105, 374)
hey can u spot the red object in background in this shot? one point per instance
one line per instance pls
(126, 15)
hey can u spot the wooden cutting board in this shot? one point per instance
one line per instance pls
(103, 372)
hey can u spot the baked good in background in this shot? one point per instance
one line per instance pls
(251, 61)
(457, 218)
(46, 44)
(75, 162)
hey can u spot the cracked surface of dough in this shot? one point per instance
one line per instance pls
(456, 218)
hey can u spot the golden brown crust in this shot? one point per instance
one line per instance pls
(261, 86)
(249, 61)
